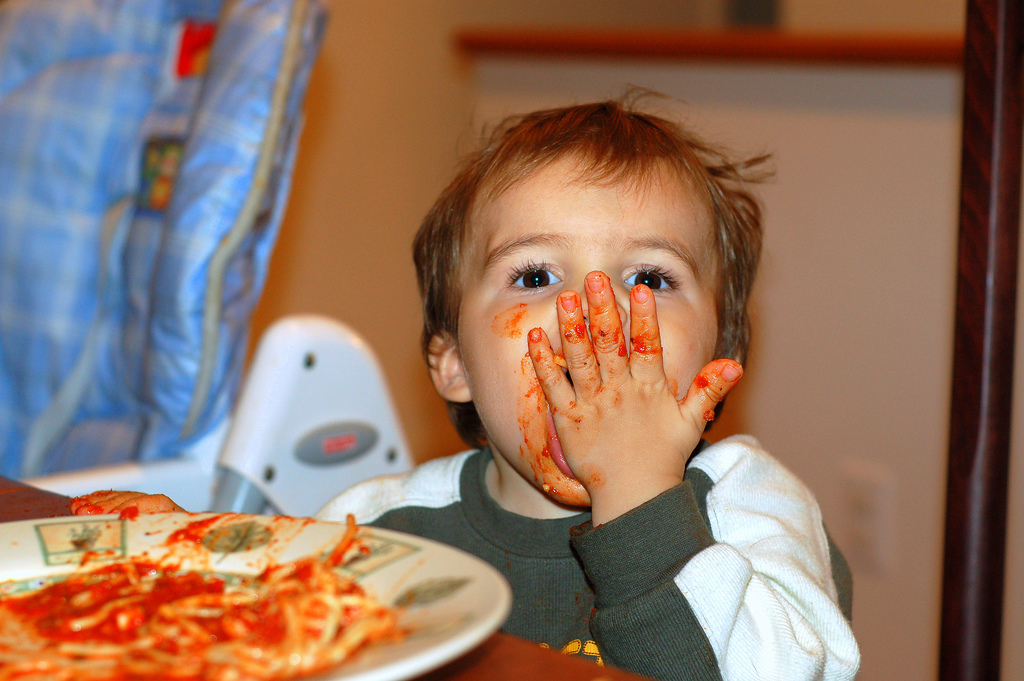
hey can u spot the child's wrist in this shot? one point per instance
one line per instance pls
(611, 501)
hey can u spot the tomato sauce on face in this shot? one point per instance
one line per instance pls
(509, 323)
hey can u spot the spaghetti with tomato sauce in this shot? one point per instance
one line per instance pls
(140, 621)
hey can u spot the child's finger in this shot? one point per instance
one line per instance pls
(606, 327)
(645, 356)
(98, 502)
(552, 381)
(709, 388)
(579, 353)
(84, 508)
(149, 503)
(79, 503)
(90, 499)
(109, 501)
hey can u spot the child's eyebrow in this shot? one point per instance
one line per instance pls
(673, 248)
(511, 246)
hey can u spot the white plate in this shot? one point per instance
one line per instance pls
(450, 601)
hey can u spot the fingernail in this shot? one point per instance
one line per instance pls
(594, 282)
(535, 335)
(731, 371)
(569, 302)
(641, 294)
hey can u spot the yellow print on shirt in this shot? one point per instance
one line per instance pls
(578, 647)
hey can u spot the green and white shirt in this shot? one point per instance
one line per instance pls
(730, 575)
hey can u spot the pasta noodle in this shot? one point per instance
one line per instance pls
(137, 621)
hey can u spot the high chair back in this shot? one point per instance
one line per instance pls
(146, 150)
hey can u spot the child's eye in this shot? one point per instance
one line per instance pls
(652, 279)
(534, 277)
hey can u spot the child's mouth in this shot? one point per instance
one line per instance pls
(555, 448)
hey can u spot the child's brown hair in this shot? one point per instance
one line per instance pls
(613, 142)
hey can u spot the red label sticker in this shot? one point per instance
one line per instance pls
(194, 51)
(339, 444)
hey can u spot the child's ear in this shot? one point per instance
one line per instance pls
(446, 369)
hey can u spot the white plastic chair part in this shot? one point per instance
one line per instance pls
(189, 479)
(314, 417)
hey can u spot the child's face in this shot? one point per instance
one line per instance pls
(540, 237)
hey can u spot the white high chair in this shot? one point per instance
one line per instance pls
(314, 417)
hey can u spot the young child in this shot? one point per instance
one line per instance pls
(580, 276)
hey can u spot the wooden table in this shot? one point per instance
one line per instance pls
(21, 502)
(502, 657)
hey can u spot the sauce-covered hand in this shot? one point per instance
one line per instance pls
(129, 504)
(621, 428)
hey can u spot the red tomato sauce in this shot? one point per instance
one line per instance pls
(130, 513)
(575, 333)
(58, 610)
(195, 531)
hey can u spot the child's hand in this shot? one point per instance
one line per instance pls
(624, 434)
(109, 501)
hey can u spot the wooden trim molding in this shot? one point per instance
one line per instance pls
(749, 45)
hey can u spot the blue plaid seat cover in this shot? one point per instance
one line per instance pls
(105, 274)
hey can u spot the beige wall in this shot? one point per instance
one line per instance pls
(877, 15)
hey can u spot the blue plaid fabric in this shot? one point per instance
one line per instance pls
(97, 275)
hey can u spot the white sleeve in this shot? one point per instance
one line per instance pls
(434, 484)
(764, 594)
